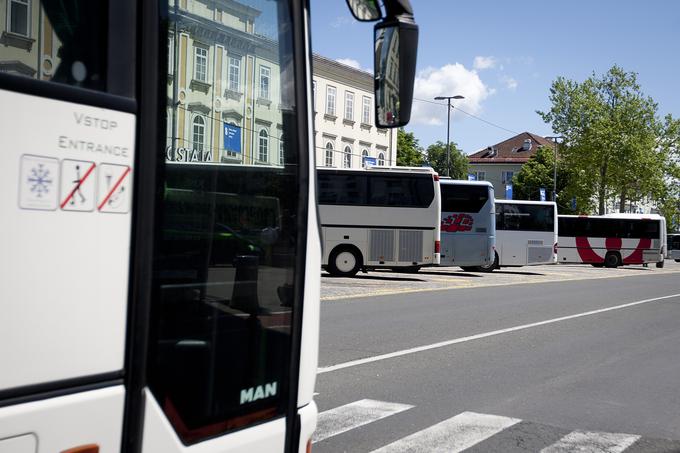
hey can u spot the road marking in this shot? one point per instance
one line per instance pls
(453, 435)
(592, 442)
(479, 336)
(353, 415)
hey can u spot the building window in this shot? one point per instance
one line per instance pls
(265, 74)
(234, 74)
(364, 155)
(198, 133)
(349, 105)
(314, 95)
(281, 150)
(19, 17)
(347, 162)
(381, 159)
(330, 100)
(480, 175)
(201, 66)
(506, 177)
(263, 146)
(329, 154)
(366, 110)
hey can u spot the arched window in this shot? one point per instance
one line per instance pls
(364, 155)
(347, 162)
(329, 154)
(198, 133)
(263, 146)
(281, 149)
(381, 159)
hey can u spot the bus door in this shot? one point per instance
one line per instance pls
(68, 138)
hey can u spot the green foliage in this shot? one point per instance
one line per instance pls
(538, 173)
(458, 162)
(409, 152)
(612, 133)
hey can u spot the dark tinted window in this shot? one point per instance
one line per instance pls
(463, 198)
(608, 227)
(674, 242)
(525, 217)
(62, 41)
(375, 189)
(227, 230)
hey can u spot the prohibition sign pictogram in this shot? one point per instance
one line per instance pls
(114, 188)
(77, 185)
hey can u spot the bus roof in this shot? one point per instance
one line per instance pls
(462, 182)
(617, 215)
(544, 203)
(374, 169)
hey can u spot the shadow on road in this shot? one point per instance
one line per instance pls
(452, 274)
(376, 277)
(518, 273)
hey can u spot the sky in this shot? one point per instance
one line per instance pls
(503, 56)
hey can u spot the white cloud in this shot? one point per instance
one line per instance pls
(342, 21)
(510, 83)
(352, 63)
(481, 63)
(449, 80)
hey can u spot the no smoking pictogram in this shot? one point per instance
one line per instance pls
(114, 188)
(77, 185)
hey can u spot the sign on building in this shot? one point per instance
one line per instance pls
(508, 191)
(472, 177)
(370, 161)
(232, 138)
(541, 192)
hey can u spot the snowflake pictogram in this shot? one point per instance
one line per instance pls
(40, 180)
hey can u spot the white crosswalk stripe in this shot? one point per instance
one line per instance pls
(353, 415)
(452, 435)
(592, 442)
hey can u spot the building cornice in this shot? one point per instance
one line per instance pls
(338, 72)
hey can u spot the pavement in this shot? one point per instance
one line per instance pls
(543, 359)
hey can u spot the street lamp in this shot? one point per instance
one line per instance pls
(554, 139)
(448, 127)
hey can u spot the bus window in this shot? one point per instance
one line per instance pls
(463, 198)
(228, 228)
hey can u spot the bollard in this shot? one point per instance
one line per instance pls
(244, 297)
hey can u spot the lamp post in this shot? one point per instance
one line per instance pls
(448, 128)
(554, 139)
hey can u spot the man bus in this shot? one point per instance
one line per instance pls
(612, 240)
(468, 224)
(379, 217)
(160, 286)
(526, 234)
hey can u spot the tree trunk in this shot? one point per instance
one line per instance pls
(622, 201)
(602, 190)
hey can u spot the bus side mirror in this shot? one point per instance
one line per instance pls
(365, 10)
(396, 48)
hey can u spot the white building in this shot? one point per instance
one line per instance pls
(344, 119)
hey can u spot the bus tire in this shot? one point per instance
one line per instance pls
(470, 268)
(660, 264)
(677, 261)
(491, 266)
(612, 260)
(344, 261)
(597, 264)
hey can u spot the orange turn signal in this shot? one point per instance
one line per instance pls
(90, 448)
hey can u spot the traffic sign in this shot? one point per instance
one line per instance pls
(77, 185)
(39, 183)
(114, 188)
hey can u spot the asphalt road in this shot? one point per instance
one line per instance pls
(579, 364)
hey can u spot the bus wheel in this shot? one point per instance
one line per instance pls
(489, 267)
(344, 262)
(470, 268)
(597, 264)
(660, 264)
(612, 260)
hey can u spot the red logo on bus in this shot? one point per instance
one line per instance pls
(457, 222)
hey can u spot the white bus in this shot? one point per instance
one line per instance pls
(468, 225)
(612, 240)
(159, 282)
(673, 247)
(526, 233)
(380, 217)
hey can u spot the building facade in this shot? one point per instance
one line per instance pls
(500, 162)
(344, 120)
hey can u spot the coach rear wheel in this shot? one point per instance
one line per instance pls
(344, 262)
(660, 264)
(490, 267)
(612, 259)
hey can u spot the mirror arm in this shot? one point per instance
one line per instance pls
(399, 9)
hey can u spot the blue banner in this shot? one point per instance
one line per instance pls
(232, 138)
(472, 177)
(508, 192)
(370, 161)
(541, 192)
(573, 203)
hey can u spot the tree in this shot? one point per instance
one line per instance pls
(458, 162)
(611, 132)
(538, 173)
(409, 152)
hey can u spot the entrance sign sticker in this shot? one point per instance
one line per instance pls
(78, 182)
(39, 183)
(114, 188)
